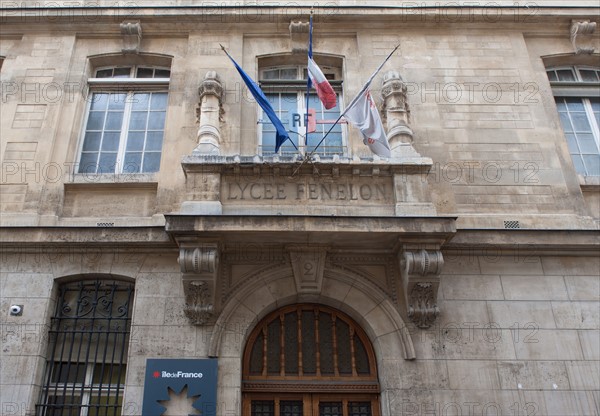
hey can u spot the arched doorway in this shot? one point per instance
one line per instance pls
(309, 360)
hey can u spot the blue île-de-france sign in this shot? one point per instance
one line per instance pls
(191, 380)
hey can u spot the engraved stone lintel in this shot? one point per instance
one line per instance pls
(299, 36)
(308, 265)
(582, 28)
(132, 36)
(420, 273)
(199, 266)
(210, 114)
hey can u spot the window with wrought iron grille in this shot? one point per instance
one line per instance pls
(87, 351)
(576, 91)
(125, 120)
(285, 88)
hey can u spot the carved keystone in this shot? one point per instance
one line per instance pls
(420, 275)
(299, 36)
(582, 28)
(199, 268)
(132, 36)
(308, 264)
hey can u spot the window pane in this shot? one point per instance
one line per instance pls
(117, 101)
(263, 408)
(133, 162)
(114, 120)
(88, 163)
(256, 356)
(587, 144)
(565, 121)
(343, 347)
(552, 75)
(63, 406)
(107, 162)
(290, 408)
(588, 75)
(66, 372)
(151, 162)
(154, 140)
(99, 102)
(122, 72)
(309, 353)
(580, 122)
(110, 142)
(162, 73)
(92, 141)
(135, 141)
(105, 405)
(592, 164)
(565, 75)
(138, 120)
(156, 120)
(289, 73)
(291, 343)
(572, 143)
(273, 348)
(359, 409)
(159, 101)
(330, 409)
(140, 101)
(109, 374)
(574, 104)
(145, 73)
(96, 120)
(104, 73)
(578, 163)
(596, 109)
(271, 74)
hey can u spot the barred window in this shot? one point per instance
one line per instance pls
(87, 353)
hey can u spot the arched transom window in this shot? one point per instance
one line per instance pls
(309, 360)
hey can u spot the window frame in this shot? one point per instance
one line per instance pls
(129, 86)
(583, 90)
(84, 394)
(298, 86)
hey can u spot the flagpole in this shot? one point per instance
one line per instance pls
(308, 81)
(362, 90)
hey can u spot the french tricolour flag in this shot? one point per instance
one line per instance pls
(324, 89)
(317, 79)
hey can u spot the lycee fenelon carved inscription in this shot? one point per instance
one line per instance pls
(360, 191)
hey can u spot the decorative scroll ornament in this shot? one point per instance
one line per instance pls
(199, 266)
(582, 28)
(421, 281)
(132, 36)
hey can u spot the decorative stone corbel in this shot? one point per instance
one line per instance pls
(308, 265)
(397, 114)
(582, 28)
(299, 36)
(199, 267)
(420, 275)
(209, 115)
(132, 36)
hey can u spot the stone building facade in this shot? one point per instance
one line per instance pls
(145, 216)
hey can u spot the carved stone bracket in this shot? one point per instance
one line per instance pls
(132, 36)
(199, 267)
(582, 28)
(299, 37)
(308, 264)
(420, 274)
(210, 114)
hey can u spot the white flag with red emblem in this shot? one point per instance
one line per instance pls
(364, 116)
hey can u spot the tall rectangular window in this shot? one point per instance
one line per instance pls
(125, 122)
(285, 88)
(87, 354)
(577, 95)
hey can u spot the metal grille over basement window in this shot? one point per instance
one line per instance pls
(87, 354)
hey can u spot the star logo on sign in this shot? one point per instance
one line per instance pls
(156, 374)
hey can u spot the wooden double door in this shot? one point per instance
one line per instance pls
(310, 404)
